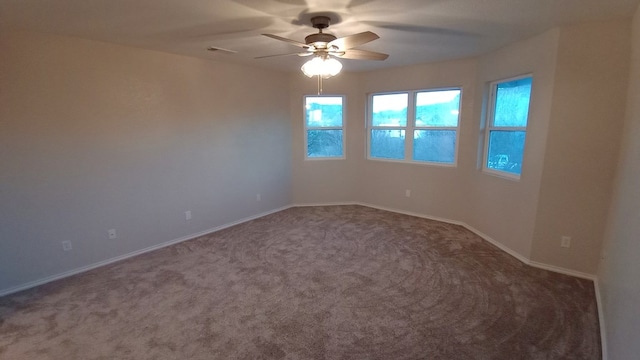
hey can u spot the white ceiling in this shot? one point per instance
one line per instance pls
(411, 31)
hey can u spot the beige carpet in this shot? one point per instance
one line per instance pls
(340, 282)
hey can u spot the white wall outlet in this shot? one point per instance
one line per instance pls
(187, 215)
(66, 245)
(258, 197)
(565, 241)
(112, 234)
(407, 193)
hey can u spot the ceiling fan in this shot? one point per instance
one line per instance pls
(323, 44)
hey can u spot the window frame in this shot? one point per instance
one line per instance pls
(411, 127)
(370, 127)
(306, 128)
(490, 118)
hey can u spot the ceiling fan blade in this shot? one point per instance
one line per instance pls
(222, 50)
(348, 42)
(430, 30)
(292, 42)
(280, 55)
(356, 54)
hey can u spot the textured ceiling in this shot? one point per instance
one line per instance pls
(411, 31)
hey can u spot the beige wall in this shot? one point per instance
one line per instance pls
(435, 190)
(578, 92)
(505, 209)
(589, 96)
(501, 208)
(619, 272)
(378, 182)
(96, 136)
(326, 181)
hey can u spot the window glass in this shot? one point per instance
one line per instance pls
(434, 145)
(387, 144)
(505, 151)
(324, 111)
(324, 126)
(390, 110)
(512, 103)
(429, 118)
(324, 143)
(506, 133)
(438, 108)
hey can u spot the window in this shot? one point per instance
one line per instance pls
(508, 114)
(430, 117)
(388, 124)
(324, 127)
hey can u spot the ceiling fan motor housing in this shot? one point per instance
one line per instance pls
(322, 45)
(319, 40)
(320, 22)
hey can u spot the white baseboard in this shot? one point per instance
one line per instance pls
(484, 236)
(343, 203)
(500, 246)
(218, 228)
(561, 270)
(98, 264)
(603, 328)
(411, 213)
(524, 259)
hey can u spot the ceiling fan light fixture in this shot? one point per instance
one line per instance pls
(324, 67)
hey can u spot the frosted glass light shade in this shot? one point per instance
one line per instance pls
(325, 67)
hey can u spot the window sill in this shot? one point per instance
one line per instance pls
(323, 158)
(419, 163)
(502, 174)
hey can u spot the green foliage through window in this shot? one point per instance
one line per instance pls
(433, 121)
(324, 126)
(387, 144)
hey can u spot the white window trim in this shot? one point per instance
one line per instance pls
(410, 127)
(343, 128)
(491, 105)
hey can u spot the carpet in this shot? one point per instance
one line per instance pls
(335, 282)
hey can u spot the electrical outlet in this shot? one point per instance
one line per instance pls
(66, 245)
(407, 193)
(565, 241)
(187, 215)
(258, 197)
(112, 234)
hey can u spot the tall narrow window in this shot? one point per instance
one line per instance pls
(436, 125)
(324, 127)
(415, 126)
(508, 115)
(388, 125)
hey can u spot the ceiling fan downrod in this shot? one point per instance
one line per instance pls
(320, 22)
(320, 39)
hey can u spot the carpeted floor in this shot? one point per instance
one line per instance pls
(338, 282)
